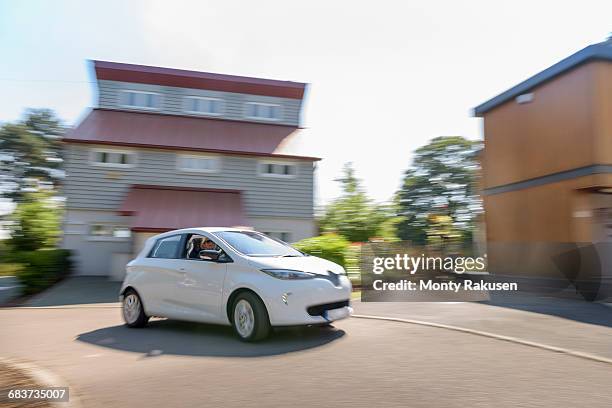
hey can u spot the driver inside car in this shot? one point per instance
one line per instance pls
(193, 248)
(209, 245)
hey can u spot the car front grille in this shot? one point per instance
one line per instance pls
(318, 310)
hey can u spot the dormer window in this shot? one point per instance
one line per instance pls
(113, 158)
(140, 100)
(277, 169)
(203, 106)
(263, 111)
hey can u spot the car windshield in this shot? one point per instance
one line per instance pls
(255, 244)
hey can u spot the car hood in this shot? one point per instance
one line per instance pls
(311, 264)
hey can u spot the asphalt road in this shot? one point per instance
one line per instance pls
(357, 363)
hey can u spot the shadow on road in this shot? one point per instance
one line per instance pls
(572, 309)
(194, 339)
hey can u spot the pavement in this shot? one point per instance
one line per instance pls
(571, 324)
(76, 291)
(356, 363)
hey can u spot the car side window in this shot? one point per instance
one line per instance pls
(166, 247)
(196, 245)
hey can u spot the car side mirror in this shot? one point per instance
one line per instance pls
(209, 254)
(224, 258)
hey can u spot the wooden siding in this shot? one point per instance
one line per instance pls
(93, 187)
(173, 101)
(552, 133)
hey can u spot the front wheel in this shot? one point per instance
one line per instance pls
(250, 317)
(133, 312)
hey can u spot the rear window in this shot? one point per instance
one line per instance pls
(166, 247)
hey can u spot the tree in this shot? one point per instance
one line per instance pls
(441, 182)
(36, 223)
(30, 153)
(352, 215)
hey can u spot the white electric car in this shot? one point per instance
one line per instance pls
(232, 277)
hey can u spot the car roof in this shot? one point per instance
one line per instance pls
(201, 229)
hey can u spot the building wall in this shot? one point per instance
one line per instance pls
(551, 229)
(298, 229)
(95, 255)
(552, 133)
(91, 187)
(95, 193)
(602, 112)
(173, 101)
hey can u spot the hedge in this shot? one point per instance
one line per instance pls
(332, 247)
(37, 270)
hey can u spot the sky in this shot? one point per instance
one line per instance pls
(385, 76)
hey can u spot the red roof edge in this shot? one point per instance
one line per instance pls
(114, 71)
(143, 229)
(191, 149)
(181, 188)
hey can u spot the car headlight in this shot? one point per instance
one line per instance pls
(288, 274)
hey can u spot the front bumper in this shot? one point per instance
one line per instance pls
(315, 301)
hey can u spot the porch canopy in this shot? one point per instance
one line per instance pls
(164, 208)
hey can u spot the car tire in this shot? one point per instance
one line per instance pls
(132, 309)
(250, 318)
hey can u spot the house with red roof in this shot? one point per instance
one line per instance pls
(167, 149)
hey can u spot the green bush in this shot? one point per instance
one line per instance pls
(37, 223)
(37, 270)
(332, 247)
(10, 269)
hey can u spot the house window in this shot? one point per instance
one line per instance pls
(140, 100)
(271, 169)
(265, 111)
(109, 231)
(203, 164)
(113, 158)
(203, 106)
(283, 236)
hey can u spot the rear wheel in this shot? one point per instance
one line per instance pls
(250, 317)
(133, 312)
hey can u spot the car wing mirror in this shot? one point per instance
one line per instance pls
(209, 254)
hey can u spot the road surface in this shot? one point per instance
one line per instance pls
(358, 363)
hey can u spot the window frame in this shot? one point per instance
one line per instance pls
(262, 163)
(206, 98)
(280, 111)
(127, 106)
(94, 151)
(217, 159)
(112, 226)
